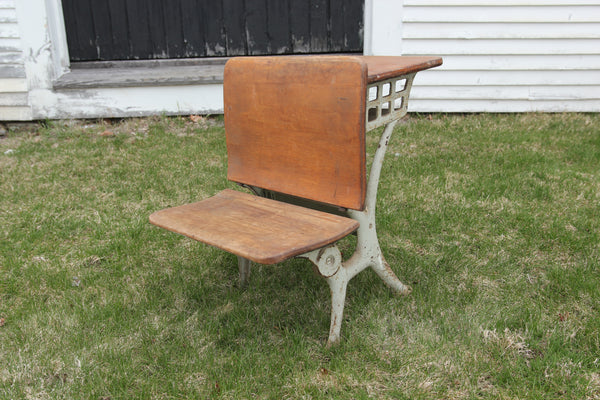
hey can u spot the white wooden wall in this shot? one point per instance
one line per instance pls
(14, 100)
(505, 55)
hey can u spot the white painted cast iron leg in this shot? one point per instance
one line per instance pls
(378, 263)
(338, 284)
(382, 268)
(368, 242)
(328, 261)
(244, 266)
(368, 253)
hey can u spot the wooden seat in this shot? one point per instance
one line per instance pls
(295, 130)
(259, 229)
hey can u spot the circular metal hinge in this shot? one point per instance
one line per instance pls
(329, 261)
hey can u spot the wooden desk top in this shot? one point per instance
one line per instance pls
(385, 67)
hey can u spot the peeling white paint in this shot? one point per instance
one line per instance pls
(300, 45)
(127, 102)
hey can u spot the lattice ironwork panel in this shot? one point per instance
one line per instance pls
(387, 100)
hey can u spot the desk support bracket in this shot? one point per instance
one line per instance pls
(368, 253)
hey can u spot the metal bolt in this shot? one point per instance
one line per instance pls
(329, 260)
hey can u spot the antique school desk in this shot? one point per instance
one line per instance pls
(295, 132)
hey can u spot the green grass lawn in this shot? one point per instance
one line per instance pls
(494, 220)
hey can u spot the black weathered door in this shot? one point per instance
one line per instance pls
(151, 29)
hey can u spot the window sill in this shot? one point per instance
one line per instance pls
(117, 74)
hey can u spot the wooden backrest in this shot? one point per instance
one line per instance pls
(296, 125)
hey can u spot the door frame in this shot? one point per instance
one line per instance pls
(382, 21)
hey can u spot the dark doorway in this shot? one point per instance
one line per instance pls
(99, 30)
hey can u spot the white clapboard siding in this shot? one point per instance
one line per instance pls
(508, 93)
(554, 62)
(502, 106)
(499, 2)
(495, 46)
(501, 12)
(503, 56)
(501, 30)
(14, 98)
(510, 78)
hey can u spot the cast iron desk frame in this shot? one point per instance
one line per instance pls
(386, 104)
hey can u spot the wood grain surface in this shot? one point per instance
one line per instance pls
(262, 230)
(386, 67)
(296, 125)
